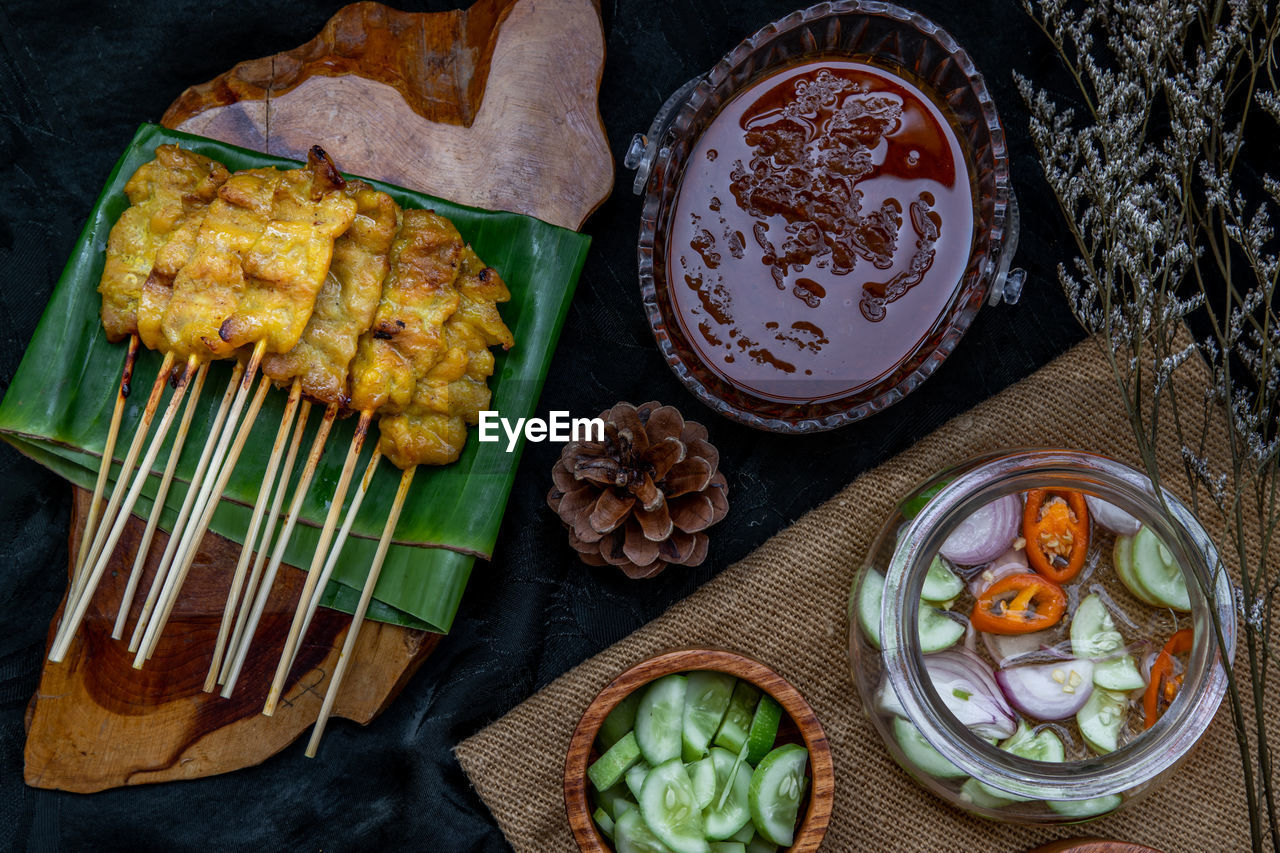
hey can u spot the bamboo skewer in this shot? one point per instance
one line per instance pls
(366, 594)
(157, 505)
(251, 536)
(264, 548)
(336, 549)
(108, 451)
(166, 560)
(277, 555)
(126, 469)
(313, 571)
(71, 625)
(193, 535)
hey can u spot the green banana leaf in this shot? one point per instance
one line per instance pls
(60, 402)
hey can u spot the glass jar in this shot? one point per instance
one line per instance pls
(1016, 788)
(909, 47)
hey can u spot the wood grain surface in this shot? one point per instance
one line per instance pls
(493, 106)
(95, 722)
(426, 116)
(799, 719)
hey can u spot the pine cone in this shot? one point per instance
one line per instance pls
(644, 497)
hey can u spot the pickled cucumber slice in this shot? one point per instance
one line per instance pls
(1119, 673)
(775, 793)
(1155, 569)
(1093, 631)
(1101, 719)
(940, 583)
(1082, 809)
(937, 632)
(730, 810)
(980, 795)
(667, 805)
(1036, 746)
(921, 753)
(745, 834)
(759, 845)
(1122, 559)
(737, 720)
(659, 718)
(632, 835)
(728, 847)
(764, 729)
(707, 696)
(605, 772)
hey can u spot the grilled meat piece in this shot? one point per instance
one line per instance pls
(163, 194)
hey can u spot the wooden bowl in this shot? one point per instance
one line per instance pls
(799, 725)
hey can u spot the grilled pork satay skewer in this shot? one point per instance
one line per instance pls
(404, 341)
(318, 365)
(431, 431)
(162, 193)
(274, 282)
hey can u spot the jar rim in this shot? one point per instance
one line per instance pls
(1148, 755)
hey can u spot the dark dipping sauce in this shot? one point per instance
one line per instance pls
(823, 223)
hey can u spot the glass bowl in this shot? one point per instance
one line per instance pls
(1086, 785)
(911, 48)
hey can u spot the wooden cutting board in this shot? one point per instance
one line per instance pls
(494, 106)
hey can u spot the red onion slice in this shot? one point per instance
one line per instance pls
(1051, 691)
(1005, 648)
(986, 534)
(1112, 517)
(1011, 562)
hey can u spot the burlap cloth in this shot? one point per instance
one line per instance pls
(785, 605)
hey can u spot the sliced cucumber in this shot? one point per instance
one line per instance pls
(605, 823)
(703, 776)
(632, 835)
(1101, 719)
(764, 729)
(870, 596)
(1093, 631)
(940, 583)
(980, 795)
(1158, 573)
(775, 793)
(1122, 559)
(759, 845)
(609, 800)
(1118, 673)
(605, 772)
(745, 834)
(659, 719)
(728, 847)
(730, 810)
(921, 753)
(667, 805)
(912, 505)
(1036, 746)
(1086, 808)
(937, 631)
(635, 777)
(621, 720)
(737, 720)
(706, 699)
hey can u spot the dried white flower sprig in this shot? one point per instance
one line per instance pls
(1159, 161)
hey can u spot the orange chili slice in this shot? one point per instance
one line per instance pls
(1055, 523)
(1019, 604)
(1163, 686)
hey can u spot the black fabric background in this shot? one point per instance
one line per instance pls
(76, 78)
